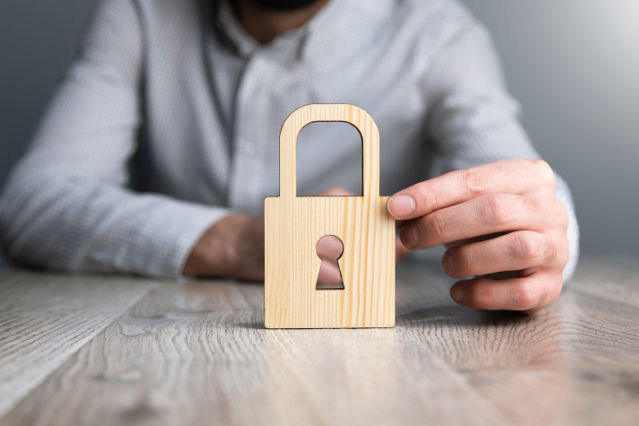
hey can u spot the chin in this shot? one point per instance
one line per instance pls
(283, 4)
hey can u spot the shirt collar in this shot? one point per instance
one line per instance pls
(333, 25)
(233, 32)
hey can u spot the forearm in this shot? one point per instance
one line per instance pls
(78, 224)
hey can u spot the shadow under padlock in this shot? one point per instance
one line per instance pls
(294, 225)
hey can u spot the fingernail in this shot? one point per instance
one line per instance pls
(401, 206)
(457, 293)
(448, 262)
(409, 236)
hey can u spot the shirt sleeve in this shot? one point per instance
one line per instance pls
(473, 120)
(66, 204)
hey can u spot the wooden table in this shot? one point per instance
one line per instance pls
(107, 350)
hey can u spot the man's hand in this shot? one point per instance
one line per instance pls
(502, 225)
(232, 247)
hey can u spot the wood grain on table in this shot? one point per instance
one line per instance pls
(107, 350)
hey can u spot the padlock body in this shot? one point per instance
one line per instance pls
(293, 226)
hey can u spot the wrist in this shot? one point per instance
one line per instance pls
(215, 254)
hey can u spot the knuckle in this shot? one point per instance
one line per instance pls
(473, 181)
(436, 227)
(497, 209)
(550, 294)
(550, 254)
(536, 203)
(434, 199)
(544, 171)
(529, 247)
(525, 295)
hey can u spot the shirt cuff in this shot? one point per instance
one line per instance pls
(563, 193)
(163, 242)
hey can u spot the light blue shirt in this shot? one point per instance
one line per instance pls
(169, 119)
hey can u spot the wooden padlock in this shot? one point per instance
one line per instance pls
(294, 225)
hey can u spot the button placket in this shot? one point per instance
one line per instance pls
(248, 165)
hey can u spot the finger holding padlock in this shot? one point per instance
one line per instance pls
(494, 219)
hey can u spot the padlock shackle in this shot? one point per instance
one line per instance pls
(312, 113)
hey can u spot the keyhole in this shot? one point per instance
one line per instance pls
(329, 250)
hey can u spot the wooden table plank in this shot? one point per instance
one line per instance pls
(583, 369)
(612, 277)
(44, 318)
(574, 363)
(197, 353)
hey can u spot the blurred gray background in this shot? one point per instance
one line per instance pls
(573, 65)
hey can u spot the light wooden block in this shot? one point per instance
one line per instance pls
(294, 225)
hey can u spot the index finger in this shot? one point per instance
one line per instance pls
(515, 176)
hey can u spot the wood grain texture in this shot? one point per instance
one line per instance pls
(294, 225)
(197, 353)
(44, 318)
